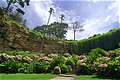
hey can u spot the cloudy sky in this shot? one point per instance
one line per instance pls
(96, 16)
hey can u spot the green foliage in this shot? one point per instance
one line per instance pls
(57, 61)
(97, 62)
(75, 58)
(55, 29)
(64, 68)
(73, 47)
(23, 53)
(94, 54)
(7, 11)
(11, 66)
(113, 68)
(34, 34)
(40, 67)
(70, 61)
(87, 70)
(106, 41)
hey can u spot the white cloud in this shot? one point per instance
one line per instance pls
(118, 1)
(41, 7)
(95, 23)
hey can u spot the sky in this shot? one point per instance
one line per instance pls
(96, 16)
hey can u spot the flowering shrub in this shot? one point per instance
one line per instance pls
(57, 61)
(95, 53)
(40, 67)
(64, 68)
(11, 66)
(97, 62)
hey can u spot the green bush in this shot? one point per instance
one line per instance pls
(114, 53)
(87, 69)
(106, 41)
(15, 52)
(109, 68)
(70, 61)
(57, 61)
(11, 66)
(114, 66)
(64, 68)
(40, 67)
(74, 58)
(26, 68)
(94, 54)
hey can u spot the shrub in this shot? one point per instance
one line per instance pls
(26, 68)
(64, 68)
(110, 68)
(70, 61)
(114, 66)
(74, 58)
(57, 61)
(40, 67)
(114, 53)
(15, 52)
(94, 54)
(11, 66)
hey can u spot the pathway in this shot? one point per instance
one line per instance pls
(64, 77)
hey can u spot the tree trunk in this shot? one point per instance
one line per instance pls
(74, 34)
(49, 19)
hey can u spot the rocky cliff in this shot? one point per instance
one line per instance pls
(16, 37)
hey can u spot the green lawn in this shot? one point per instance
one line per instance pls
(94, 77)
(26, 76)
(49, 76)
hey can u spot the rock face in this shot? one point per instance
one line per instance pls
(15, 36)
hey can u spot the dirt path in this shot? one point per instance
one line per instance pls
(64, 77)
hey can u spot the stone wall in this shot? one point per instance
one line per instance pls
(17, 37)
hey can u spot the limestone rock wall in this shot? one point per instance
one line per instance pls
(14, 36)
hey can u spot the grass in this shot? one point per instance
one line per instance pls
(50, 76)
(94, 77)
(26, 76)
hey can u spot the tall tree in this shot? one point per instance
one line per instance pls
(55, 29)
(77, 27)
(50, 11)
(62, 17)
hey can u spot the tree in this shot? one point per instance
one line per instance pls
(50, 11)
(59, 29)
(106, 41)
(14, 3)
(62, 17)
(55, 29)
(77, 27)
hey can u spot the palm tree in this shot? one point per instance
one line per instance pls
(50, 11)
(62, 17)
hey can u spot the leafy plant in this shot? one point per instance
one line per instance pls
(11, 66)
(94, 54)
(40, 67)
(64, 68)
(57, 61)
